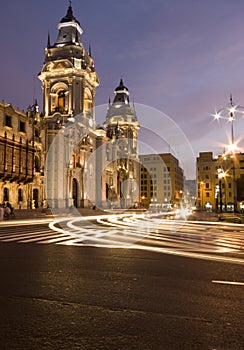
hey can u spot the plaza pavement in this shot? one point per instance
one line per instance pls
(23, 214)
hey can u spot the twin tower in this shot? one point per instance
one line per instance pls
(85, 165)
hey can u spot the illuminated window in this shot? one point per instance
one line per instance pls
(61, 101)
(87, 101)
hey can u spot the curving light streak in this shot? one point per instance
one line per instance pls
(123, 231)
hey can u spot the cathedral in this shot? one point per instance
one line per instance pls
(70, 161)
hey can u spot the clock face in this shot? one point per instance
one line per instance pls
(65, 36)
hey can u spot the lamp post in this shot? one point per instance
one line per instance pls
(201, 188)
(231, 113)
(221, 175)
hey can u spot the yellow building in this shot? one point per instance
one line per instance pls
(220, 181)
(21, 156)
(161, 180)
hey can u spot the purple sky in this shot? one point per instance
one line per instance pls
(180, 57)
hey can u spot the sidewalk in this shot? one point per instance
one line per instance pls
(23, 214)
(204, 216)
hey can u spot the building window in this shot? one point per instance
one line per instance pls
(37, 164)
(207, 185)
(61, 101)
(21, 126)
(20, 195)
(5, 194)
(8, 121)
(207, 194)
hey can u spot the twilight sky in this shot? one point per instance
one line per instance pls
(181, 57)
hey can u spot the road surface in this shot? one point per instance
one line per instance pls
(174, 287)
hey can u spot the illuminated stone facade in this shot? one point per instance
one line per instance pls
(218, 178)
(122, 127)
(74, 175)
(21, 156)
(69, 84)
(61, 158)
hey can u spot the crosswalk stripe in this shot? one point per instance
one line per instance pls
(128, 232)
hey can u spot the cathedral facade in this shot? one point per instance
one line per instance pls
(85, 165)
(60, 158)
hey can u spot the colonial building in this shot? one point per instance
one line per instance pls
(61, 157)
(85, 165)
(220, 182)
(122, 186)
(69, 82)
(22, 138)
(161, 180)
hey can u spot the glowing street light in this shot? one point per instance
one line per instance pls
(231, 113)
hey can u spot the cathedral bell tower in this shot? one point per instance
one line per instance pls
(69, 82)
(122, 129)
(68, 77)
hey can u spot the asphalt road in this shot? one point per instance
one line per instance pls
(72, 297)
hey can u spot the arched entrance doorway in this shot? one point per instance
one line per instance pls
(75, 192)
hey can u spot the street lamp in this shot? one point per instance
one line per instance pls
(231, 113)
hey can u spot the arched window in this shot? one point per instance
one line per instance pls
(59, 97)
(5, 194)
(61, 101)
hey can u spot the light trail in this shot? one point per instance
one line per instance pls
(153, 234)
(202, 240)
(229, 282)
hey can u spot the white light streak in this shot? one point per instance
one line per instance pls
(229, 282)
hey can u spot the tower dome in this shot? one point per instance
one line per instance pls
(69, 16)
(121, 93)
(69, 30)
